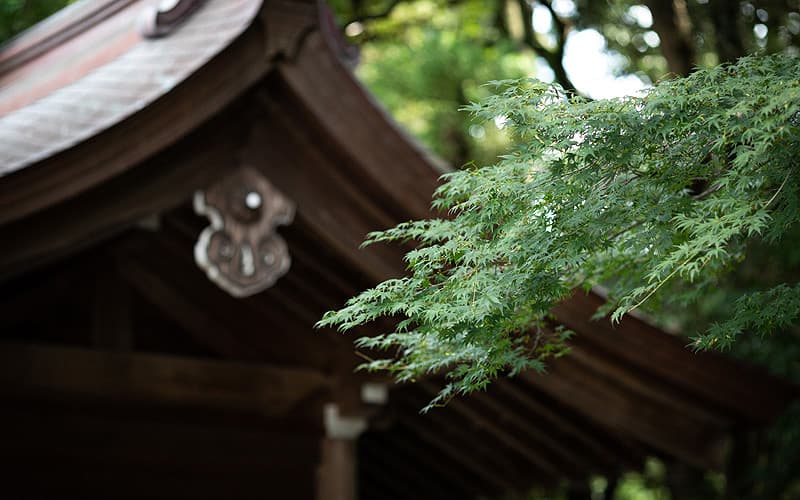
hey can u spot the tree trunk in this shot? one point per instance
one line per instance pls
(671, 22)
(725, 18)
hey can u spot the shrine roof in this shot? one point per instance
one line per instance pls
(97, 62)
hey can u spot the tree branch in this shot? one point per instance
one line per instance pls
(562, 30)
(500, 20)
(554, 58)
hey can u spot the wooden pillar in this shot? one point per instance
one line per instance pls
(337, 477)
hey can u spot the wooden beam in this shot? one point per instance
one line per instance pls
(451, 450)
(177, 305)
(121, 434)
(159, 184)
(258, 328)
(324, 195)
(156, 264)
(593, 440)
(646, 385)
(38, 370)
(631, 415)
(456, 442)
(500, 433)
(741, 390)
(111, 318)
(358, 133)
(535, 435)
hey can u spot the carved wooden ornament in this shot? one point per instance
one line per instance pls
(240, 251)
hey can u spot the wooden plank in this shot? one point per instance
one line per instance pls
(631, 415)
(533, 434)
(501, 434)
(740, 390)
(595, 441)
(461, 441)
(38, 370)
(646, 385)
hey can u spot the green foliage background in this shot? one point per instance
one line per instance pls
(425, 62)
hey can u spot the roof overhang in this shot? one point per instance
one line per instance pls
(98, 72)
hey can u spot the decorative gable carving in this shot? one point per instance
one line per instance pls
(241, 251)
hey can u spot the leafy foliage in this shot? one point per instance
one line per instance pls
(654, 196)
(425, 62)
(18, 15)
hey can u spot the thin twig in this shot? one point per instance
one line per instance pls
(662, 282)
(625, 230)
(364, 356)
(780, 188)
(708, 192)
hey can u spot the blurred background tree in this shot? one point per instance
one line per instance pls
(424, 59)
